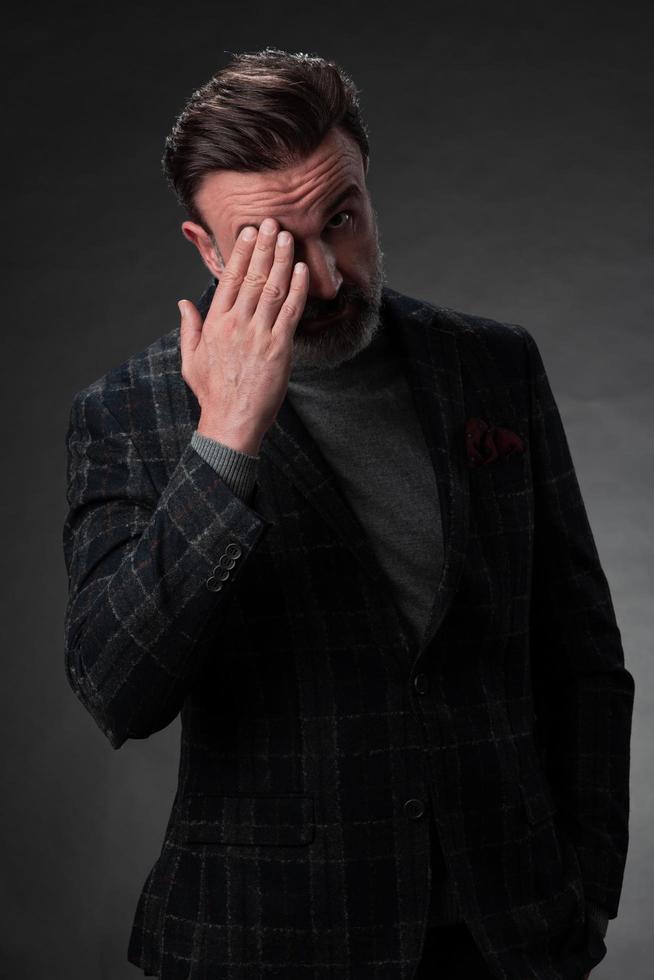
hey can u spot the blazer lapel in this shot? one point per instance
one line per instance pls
(431, 360)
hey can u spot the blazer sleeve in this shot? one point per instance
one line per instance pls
(140, 571)
(582, 691)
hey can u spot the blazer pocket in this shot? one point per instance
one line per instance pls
(212, 818)
(503, 476)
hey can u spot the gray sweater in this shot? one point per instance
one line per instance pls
(362, 417)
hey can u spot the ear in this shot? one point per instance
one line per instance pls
(204, 244)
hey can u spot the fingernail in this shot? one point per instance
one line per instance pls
(181, 307)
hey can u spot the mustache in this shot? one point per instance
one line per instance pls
(315, 311)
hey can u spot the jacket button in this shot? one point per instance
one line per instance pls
(421, 683)
(414, 809)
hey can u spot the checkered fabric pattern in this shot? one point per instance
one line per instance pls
(316, 737)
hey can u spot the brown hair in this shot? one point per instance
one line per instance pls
(262, 111)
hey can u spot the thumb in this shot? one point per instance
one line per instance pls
(190, 329)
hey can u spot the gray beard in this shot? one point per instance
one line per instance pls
(346, 337)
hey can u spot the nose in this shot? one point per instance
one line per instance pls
(324, 278)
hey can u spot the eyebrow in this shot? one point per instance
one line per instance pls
(352, 190)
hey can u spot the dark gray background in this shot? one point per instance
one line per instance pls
(511, 157)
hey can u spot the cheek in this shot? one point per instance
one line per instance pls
(355, 262)
(359, 252)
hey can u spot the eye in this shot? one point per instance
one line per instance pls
(338, 215)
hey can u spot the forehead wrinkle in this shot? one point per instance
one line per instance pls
(323, 177)
(321, 193)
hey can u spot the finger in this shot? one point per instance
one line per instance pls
(234, 272)
(190, 329)
(293, 306)
(276, 287)
(257, 274)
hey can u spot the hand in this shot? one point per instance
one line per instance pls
(238, 362)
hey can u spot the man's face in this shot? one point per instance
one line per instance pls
(324, 203)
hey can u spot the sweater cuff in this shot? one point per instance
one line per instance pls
(238, 470)
(598, 918)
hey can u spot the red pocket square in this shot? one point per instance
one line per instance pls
(486, 443)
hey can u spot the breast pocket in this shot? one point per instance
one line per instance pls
(504, 476)
(501, 500)
(212, 818)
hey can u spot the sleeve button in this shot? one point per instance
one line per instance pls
(414, 809)
(421, 683)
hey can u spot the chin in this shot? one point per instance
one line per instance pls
(333, 342)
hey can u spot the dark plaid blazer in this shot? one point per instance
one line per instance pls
(316, 735)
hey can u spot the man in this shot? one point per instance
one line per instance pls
(339, 530)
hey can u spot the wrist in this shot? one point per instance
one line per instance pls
(242, 440)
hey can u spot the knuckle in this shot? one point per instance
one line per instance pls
(289, 308)
(231, 275)
(272, 291)
(255, 279)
